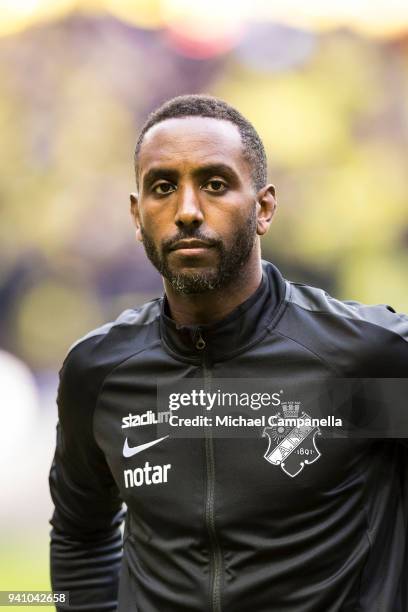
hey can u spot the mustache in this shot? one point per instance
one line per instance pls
(168, 244)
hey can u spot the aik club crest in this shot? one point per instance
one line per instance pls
(291, 447)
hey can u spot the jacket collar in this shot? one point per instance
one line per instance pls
(244, 326)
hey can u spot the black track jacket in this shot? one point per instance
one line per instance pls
(212, 524)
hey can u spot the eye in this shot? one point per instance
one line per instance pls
(163, 188)
(215, 186)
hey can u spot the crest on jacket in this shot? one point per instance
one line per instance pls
(291, 446)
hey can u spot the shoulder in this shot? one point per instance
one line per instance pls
(317, 301)
(359, 339)
(314, 300)
(90, 358)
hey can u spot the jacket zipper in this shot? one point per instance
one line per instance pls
(215, 552)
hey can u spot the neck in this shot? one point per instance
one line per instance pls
(205, 308)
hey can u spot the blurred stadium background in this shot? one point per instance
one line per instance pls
(326, 86)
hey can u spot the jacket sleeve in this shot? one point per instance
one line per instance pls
(86, 540)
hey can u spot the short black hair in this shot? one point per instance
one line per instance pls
(209, 106)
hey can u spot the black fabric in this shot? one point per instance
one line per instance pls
(224, 530)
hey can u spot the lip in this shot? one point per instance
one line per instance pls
(190, 245)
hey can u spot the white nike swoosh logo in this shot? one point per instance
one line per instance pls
(129, 452)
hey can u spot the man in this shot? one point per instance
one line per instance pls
(218, 523)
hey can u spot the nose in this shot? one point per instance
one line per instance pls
(189, 211)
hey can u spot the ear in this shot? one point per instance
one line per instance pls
(134, 211)
(266, 205)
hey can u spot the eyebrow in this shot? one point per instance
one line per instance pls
(207, 170)
(154, 174)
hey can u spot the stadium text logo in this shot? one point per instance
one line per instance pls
(147, 418)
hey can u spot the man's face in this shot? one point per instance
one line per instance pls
(196, 208)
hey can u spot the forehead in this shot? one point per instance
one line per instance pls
(188, 142)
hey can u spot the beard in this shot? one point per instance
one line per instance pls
(230, 260)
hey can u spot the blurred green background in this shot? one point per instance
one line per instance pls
(327, 90)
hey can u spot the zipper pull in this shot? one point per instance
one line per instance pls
(200, 342)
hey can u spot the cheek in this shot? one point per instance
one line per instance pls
(154, 219)
(226, 219)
